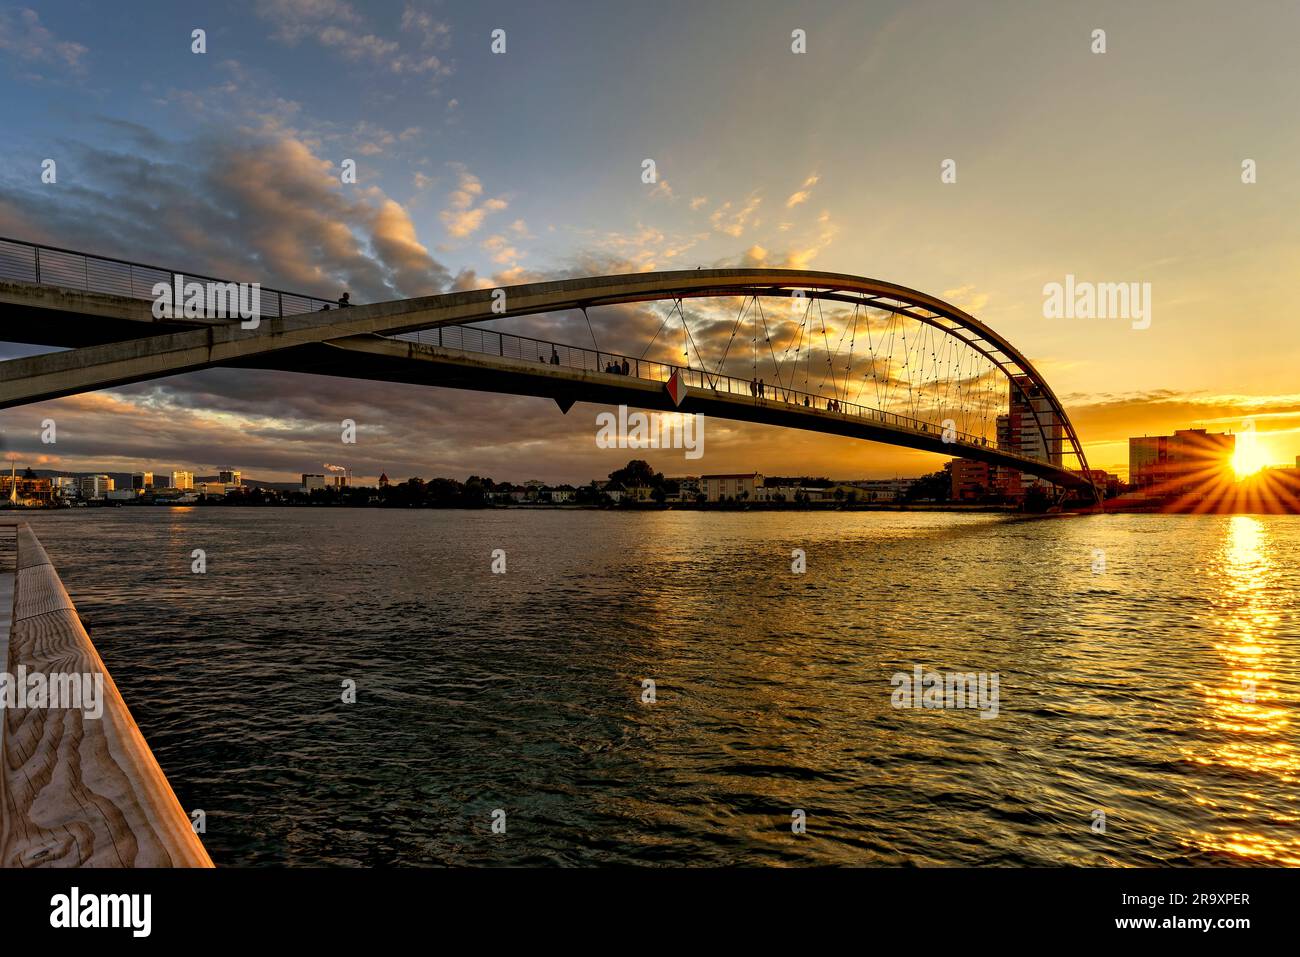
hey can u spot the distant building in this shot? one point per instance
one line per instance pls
(787, 493)
(26, 489)
(65, 486)
(123, 494)
(94, 486)
(337, 480)
(183, 481)
(1108, 482)
(560, 494)
(211, 488)
(843, 492)
(883, 490)
(230, 476)
(312, 481)
(688, 488)
(741, 486)
(971, 481)
(1179, 463)
(383, 480)
(141, 480)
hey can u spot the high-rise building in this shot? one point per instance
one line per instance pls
(312, 480)
(1030, 427)
(141, 480)
(1179, 463)
(229, 476)
(183, 480)
(1033, 427)
(95, 486)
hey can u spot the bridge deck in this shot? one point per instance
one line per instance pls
(463, 366)
(75, 790)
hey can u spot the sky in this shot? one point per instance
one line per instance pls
(482, 169)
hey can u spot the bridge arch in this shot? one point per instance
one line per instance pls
(1056, 434)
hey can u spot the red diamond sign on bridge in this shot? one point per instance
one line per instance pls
(676, 390)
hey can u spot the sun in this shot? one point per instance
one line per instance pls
(1247, 460)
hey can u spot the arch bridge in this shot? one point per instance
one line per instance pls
(829, 352)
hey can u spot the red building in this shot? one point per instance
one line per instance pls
(1179, 463)
(971, 481)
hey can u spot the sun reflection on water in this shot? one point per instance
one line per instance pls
(1244, 707)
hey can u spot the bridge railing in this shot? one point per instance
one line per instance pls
(52, 266)
(476, 339)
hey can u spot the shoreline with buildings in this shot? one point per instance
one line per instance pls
(1183, 472)
(1191, 470)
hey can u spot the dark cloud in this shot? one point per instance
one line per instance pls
(254, 206)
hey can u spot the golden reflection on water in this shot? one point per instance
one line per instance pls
(1243, 706)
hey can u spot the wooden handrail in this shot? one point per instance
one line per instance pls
(76, 790)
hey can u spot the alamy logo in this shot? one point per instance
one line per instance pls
(1098, 300)
(82, 691)
(952, 689)
(75, 909)
(208, 300)
(639, 430)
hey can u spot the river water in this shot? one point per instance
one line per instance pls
(1148, 670)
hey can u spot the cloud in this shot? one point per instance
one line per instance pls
(373, 139)
(296, 19)
(464, 195)
(261, 205)
(967, 298)
(642, 249)
(433, 33)
(1106, 421)
(795, 257)
(357, 47)
(461, 223)
(338, 26)
(23, 36)
(462, 217)
(501, 250)
(412, 270)
(733, 223)
(802, 194)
